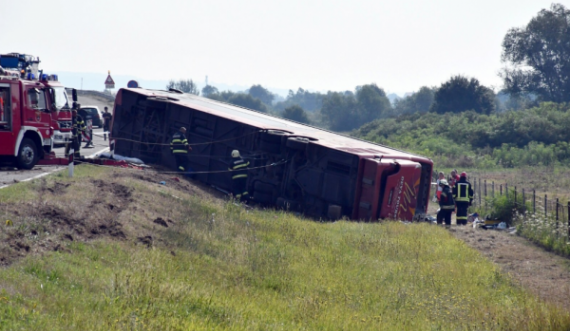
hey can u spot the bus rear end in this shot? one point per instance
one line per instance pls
(393, 189)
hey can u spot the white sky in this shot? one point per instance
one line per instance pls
(314, 44)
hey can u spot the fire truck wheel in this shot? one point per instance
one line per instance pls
(28, 154)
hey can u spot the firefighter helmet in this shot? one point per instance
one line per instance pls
(463, 174)
(443, 182)
(235, 153)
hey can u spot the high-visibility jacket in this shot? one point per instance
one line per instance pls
(78, 126)
(446, 199)
(239, 168)
(179, 143)
(462, 191)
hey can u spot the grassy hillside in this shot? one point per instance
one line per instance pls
(536, 136)
(113, 250)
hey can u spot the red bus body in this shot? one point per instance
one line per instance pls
(317, 172)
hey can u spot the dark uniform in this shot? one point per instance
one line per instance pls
(78, 126)
(463, 195)
(179, 148)
(446, 206)
(106, 123)
(239, 178)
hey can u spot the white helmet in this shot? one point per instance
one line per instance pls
(235, 153)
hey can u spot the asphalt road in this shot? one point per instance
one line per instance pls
(10, 175)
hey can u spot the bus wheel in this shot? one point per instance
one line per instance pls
(28, 154)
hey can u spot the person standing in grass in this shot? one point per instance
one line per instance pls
(238, 168)
(179, 147)
(463, 196)
(446, 204)
(439, 188)
(453, 178)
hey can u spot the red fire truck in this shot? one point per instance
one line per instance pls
(29, 107)
(60, 106)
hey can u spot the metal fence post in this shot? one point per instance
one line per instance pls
(485, 187)
(545, 205)
(524, 198)
(557, 213)
(479, 191)
(501, 189)
(507, 191)
(515, 197)
(533, 201)
(493, 188)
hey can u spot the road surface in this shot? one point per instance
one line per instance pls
(10, 175)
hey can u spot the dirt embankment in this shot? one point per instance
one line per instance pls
(69, 211)
(110, 207)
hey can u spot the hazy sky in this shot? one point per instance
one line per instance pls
(319, 45)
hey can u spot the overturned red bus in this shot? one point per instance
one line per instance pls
(306, 169)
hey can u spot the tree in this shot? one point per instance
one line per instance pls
(460, 94)
(418, 102)
(339, 111)
(247, 101)
(372, 103)
(209, 89)
(261, 93)
(186, 86)
(296, 113)
(540, 54)
(309, 101)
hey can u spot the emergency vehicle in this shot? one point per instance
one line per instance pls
(29, 107)
(60, 105)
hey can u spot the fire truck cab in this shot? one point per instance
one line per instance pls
(57, 99)
(28, 109)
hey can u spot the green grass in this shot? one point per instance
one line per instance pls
(223, 267)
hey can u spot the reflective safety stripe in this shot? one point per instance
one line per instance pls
(240, 166)
(181, 168)
(245, 193)
(239, 176)
(462, 192)
(179, 151)
(448, 207)
(461, 217)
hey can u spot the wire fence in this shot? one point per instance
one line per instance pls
(535, 203)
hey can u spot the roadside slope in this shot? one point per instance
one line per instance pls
(111, 249)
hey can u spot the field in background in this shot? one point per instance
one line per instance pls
(113, 250)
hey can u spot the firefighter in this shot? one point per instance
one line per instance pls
(238, 168)
(463, 196)
(78, 127)
(446, 204)
(179, 148)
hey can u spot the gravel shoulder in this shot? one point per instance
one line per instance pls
(543, 273)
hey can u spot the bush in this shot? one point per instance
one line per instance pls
(504, 208)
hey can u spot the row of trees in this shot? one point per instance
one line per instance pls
(538, 69)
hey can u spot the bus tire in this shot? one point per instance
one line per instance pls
(296, 143)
